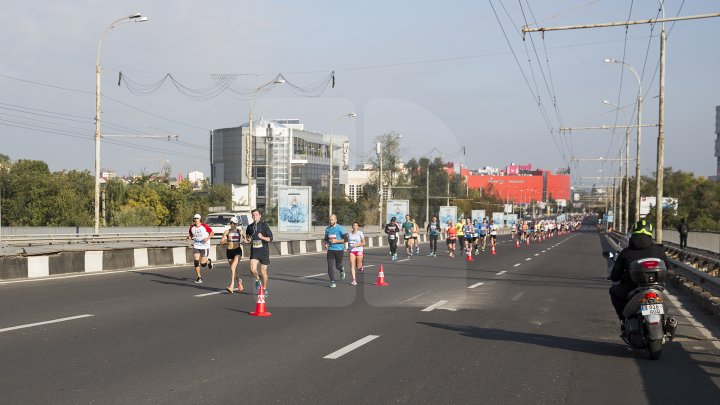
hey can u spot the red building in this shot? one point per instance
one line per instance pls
(540, 185)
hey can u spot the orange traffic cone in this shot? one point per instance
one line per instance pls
(381, 278)
(493, 249)
(517, 243)
(260, 305)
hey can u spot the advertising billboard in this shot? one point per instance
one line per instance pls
(498, 218)
(397, 209)
(447, 213)
(478, 215)
(294, 209)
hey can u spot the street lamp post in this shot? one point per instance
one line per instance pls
(639, 128)
(627, 167)
(137, 17)
(378, 150)
(330, 204)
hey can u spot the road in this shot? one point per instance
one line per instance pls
(528, 325)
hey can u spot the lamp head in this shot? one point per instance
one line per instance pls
(610, 60)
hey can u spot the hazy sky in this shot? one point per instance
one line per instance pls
(441, 74)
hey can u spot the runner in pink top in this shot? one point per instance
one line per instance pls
(356, 241)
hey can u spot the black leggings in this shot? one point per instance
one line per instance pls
(393, 246)
(433, 243)
(335, 261)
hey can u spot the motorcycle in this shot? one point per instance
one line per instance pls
(647, 324)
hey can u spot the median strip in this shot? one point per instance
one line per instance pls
(352, 346)
(30, 325)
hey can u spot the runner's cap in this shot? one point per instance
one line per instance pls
(197, 216)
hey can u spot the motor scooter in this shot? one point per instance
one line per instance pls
(647, 322)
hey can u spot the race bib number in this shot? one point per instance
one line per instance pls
(391, 237)
(257, 243)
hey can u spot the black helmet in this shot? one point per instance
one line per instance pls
(643, 227)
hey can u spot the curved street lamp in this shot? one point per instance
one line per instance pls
(137, 17)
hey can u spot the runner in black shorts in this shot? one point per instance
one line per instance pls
(259, 234)
(233, 238)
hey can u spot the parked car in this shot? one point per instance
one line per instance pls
(220, 221)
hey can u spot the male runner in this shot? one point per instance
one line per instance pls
(392, 230)
(200, 235)
(407, 227)
(259, 234)
(433, 231)
(335, 240)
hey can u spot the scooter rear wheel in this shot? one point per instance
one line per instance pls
(655, 349)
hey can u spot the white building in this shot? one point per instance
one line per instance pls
(195, 176)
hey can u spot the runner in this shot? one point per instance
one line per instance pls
(259, 234)
(460, 234)
(475, 236)
(200, 235)
(513, 230)
(407, 227)
(468, 231)
(335, 239)
(483, 233)
(433, 230)
(233, 238)
(493, 233)
(392, 230)
(451, 235)
(415, 233)
(356, 241)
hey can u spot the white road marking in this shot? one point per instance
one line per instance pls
(476, 285)
(403, 260)
(352, 346)
(517, 296)
(30, 325)
(516, 264)
(703, 331)
(543, 251)
(369, 265)
(500, 273)
(315, 275)
(528, 259)
(537, 254)
(412, 298)
(211, 293)
(435, 305)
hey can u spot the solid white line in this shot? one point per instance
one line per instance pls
(476, 285)
(30, 325)
(516, 264)
(501, 273)
(315, 275)
(435, 305)
(212, 293)
(403, 260)
(706, 333)
(352, 346)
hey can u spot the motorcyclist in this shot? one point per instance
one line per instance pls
(640, 246)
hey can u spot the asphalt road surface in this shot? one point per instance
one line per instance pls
(528, 325)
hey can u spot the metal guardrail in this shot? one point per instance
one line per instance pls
(51, 239)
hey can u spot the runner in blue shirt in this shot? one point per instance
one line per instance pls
(335, 240)
(433, 230)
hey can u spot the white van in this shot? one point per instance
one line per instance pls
(220, 221)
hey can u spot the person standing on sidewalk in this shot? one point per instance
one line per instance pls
(233, 238)
(200, 235)
(683, 229)
(356, 241)
(335, 239)
(260, 235)
(393, 231)
(433, 231)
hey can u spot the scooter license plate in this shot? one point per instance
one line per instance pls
(652, 309)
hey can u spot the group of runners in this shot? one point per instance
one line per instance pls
(258, 235)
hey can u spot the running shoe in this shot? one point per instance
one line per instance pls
(342, 275)
(476, 252)
(332, 284)
(430, 254)
(198, 280)
(209, 264)
(417, 250)
(266, 294)
(257, 284)
(361, 270)
(354, 282)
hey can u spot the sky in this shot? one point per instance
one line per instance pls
(455, 79)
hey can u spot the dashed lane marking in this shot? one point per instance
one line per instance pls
(435, 305)
(30, 325)
(211, 293)
(402, 260)
(352, 346)
(528, 259)
(516, 264)
(518, 295)
(476, 285)
(500, 273)
(537, 254)
(315, 275)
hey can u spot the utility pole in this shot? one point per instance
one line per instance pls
(661, 101)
